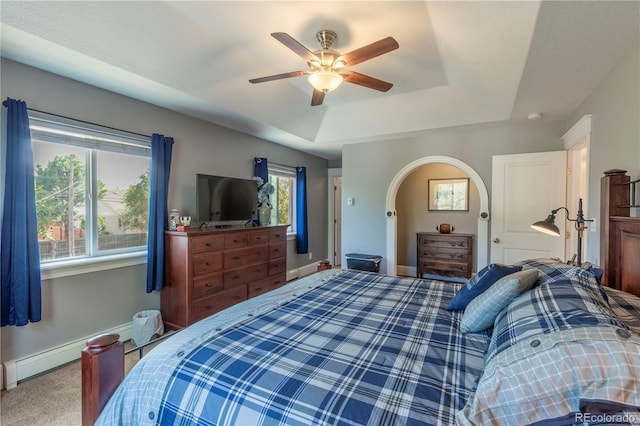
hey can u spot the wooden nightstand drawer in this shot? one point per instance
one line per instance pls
(207, 284)
(205, 263)
(221, 300)
(206, 243)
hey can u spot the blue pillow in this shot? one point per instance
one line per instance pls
(482, 311)
(479, 283)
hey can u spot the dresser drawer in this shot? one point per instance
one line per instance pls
(236, 239)
(443, 253)
(277, 266)
(245, 275)
(207, 284)
(205, 263)
(277, 250)
(259, 287)
(447, 255)
(445, 268)
(243, 257)
(258, 237)
(276, 235)
(206, 243)
(210, 305)
(445, 241)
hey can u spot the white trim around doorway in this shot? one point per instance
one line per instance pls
(482, 253)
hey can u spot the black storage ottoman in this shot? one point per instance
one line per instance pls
(364, 262)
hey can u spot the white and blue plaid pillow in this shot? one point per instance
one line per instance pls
(477, 285)
(481, 312)
(570, 299)
(558, 354)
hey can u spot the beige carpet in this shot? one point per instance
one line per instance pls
(50, 399)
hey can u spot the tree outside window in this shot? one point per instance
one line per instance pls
(89, 202)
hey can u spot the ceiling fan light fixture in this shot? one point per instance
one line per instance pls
(325, 81)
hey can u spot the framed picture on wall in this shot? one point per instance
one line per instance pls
(449, 194)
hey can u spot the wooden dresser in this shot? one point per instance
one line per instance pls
(445, 255)
(208, 271)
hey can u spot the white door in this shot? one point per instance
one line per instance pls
(337, 224)
(525, 188)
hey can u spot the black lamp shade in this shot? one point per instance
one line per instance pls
(547, 226)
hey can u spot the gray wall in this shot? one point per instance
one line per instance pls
(615, 128)
(368, 169)
(414, 215)
(82, 305)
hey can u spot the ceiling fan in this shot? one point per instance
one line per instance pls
(328, 68)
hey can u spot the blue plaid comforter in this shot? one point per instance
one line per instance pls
(566, 298)
(355, 348)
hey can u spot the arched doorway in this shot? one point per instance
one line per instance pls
(482, 254)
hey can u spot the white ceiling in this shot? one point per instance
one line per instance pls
(459, 62)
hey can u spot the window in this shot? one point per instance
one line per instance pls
(283, 199)
(92, 190)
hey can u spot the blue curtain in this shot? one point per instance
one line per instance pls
(161, 148)
(261, 168)
(302, 231)
(20, 276)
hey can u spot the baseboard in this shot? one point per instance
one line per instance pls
(13, 371)
(23, 368)
(406, 271)
(302, 271)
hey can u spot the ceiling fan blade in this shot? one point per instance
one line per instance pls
(317, 97)
(294, 45)
(369, 51)
(366, 81)
(278, 76)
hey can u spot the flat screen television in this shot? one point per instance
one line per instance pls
(225, 199)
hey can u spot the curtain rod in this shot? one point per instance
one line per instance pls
(4, 103)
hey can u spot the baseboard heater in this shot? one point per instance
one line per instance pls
(303, 271)
(14, 371)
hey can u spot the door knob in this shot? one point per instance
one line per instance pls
(496, 240)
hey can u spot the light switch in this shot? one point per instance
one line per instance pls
(350, 201)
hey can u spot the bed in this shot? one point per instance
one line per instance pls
(537, 342)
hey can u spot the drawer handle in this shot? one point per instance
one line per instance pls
(258, 289)
(207, 244)
(208, 285)
(235, 257)
(207, 263)
(208, 307)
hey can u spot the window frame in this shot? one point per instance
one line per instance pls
(92, 139)
(279, 170)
